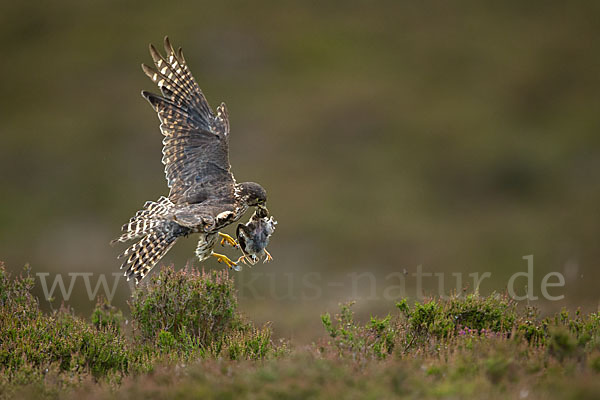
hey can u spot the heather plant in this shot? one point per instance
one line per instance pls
(187, 303)
(429, 319)
(375, 339)
(33, 343)
(178, 316)
(493, 313)
(195, 313)
(249, 343)
(431, 325)
(106, 316)
(472, 313)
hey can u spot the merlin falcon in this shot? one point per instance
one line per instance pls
(204, 196)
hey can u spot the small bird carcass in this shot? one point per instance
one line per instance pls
(253, 237)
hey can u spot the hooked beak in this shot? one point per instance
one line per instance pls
(262, 211)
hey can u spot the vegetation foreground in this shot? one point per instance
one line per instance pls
(186, 339)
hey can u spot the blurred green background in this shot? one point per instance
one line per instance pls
(460, 137)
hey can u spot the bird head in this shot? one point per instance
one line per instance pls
(252, 193)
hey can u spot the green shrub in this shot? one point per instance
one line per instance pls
(188, 304)
(432, 325)
(375, 339)
(248, 344)
(495, 313)
(166, 341)
(430, 319)
(195, 313)
(33, 342)
(106, 316)
(178, 316)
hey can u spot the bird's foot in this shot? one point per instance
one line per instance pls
(225, 238)
(248, 259)
(242, 259)
(226, 260)
(268, 257)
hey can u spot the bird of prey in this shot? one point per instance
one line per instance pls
(204, 196)
(253, 237)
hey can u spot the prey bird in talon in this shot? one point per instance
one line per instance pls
(204, 196)
(253, 237)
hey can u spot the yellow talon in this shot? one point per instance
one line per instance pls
(226, 260)
(225, 238)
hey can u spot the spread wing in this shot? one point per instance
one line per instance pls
(196, 142)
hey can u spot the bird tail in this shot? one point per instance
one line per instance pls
(143, 255)
(146, 220)
(158, 234)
